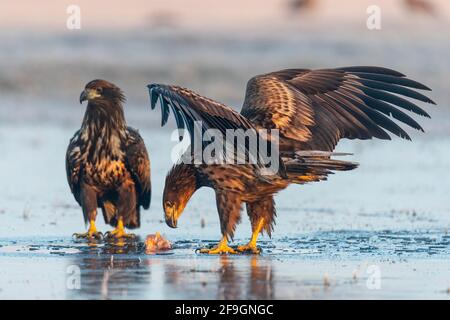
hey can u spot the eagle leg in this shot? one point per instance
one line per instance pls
(92, 233)
(221, 248)
(251, 245)
(119, 232)
(229, 207)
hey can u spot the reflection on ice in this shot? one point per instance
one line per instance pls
(222, 277)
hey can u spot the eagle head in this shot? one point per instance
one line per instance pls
(101, 90)
(181, 183)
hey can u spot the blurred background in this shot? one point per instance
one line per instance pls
(212, 46)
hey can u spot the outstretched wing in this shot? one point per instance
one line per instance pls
(198, 114)
(138, 164)
(73, 166)
(314, 109)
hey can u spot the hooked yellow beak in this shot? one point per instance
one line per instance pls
(89, 94)
(171, 217)
(83, 96)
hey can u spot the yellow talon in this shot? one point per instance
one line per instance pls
(221, 248)
(92, 232)
(251, 245)
(119, 232)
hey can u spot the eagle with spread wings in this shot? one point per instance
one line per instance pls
(311, 109)
(107, 163)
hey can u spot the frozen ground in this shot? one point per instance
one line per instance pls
(390, 217)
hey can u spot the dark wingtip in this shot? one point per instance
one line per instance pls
(153, 96)
(372, 69)
(426, 115)
(418, 85)
(426, 88)
(406, 137)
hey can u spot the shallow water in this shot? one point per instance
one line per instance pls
(321, 265)
(390, 214)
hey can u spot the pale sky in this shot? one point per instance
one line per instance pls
(115, 14)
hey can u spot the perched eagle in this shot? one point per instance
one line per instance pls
(311, 109)
(107, 163)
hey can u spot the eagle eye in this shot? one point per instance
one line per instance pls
(99, 90)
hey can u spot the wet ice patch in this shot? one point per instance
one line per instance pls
(366, 243)
(325, 244)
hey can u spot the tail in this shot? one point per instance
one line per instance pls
(132, 219)
(309, 166)
(109, 211)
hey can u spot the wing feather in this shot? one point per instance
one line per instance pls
(138, 163)
(73, 166)
(317, 108)
(198, 114)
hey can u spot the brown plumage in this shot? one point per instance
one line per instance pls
(107, 163)
(312, 109)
